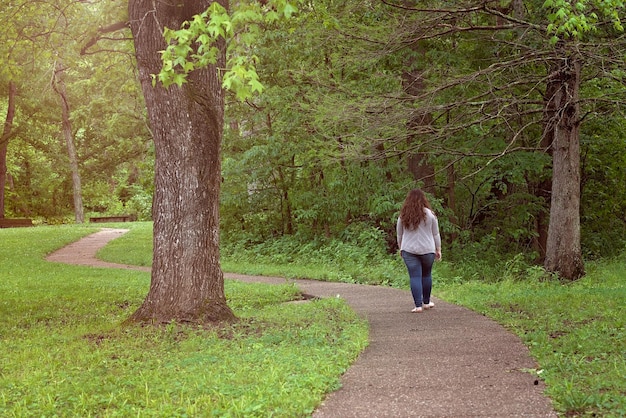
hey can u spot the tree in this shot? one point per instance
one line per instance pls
(570, 24)
(58, 85)
(7, 132)
(563, 250)
(107, 122)
(187, 123)
(184, 94)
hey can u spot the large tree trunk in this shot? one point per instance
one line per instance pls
(59, 87)
(563, 251)
(4, 143)
(187, 283)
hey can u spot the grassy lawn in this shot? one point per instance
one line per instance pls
(65, 354)
(576, 331)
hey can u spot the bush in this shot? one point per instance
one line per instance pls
(358, 256)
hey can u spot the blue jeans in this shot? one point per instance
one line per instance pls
(420, 269)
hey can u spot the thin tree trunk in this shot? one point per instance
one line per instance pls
(451, 199)
(563, 250)
(543, 188)
(59, 87)
(285, 204)
(418, 163)
(187, 283)
(4, 143)
(423, 170)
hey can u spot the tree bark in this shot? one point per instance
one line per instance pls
(59, 87)
(450, 199)
(4, 143)
(543, 188)
(418, 163)
(422, 170)
(563, 250)
(187, 283)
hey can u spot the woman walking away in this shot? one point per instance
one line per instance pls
(420, 245)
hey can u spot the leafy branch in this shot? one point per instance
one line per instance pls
(573, 19)
(195, 44)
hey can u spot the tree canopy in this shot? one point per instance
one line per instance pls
(359, 101)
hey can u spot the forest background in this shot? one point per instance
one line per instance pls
(362, 101)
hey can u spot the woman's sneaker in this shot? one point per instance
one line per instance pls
(428, 305)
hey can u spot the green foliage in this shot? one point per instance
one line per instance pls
(64, 351)
(358, 257)
(604, 188)
(37, 183)
(284, 170)
(324, 150)
(193, 46)
(325, 144)
(106, 108)
(574, 19)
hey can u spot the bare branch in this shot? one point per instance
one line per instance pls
(101, 32)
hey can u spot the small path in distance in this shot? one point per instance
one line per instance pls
(445, 362)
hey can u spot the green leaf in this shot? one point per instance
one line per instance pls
(204, 39)
(289, 10)
(272, 16)
(179, 79)
(188, 66)
(204, 29)
(256, 86)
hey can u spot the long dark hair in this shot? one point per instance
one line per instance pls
(412, 212)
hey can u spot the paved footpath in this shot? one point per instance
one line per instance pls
(444, 362)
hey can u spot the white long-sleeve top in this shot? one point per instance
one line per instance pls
(423, 240)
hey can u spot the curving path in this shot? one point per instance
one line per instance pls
(445, 362)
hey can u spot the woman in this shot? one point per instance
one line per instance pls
(420, 245)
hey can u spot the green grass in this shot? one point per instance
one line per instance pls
(133, 248)
(65, 354)
(575, 331)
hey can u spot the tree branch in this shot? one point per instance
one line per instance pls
(101, 32)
